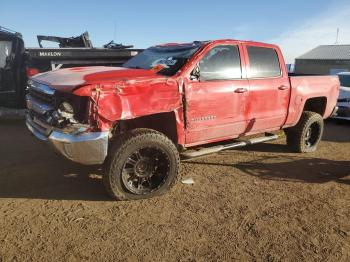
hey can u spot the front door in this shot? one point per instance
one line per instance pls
(215, 103)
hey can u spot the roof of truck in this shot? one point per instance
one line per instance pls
(213, 41)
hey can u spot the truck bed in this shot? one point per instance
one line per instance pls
(323, 88)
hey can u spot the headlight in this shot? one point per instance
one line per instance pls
(66, 110)
(64, 114)
(70, 109)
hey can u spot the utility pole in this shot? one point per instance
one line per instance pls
(336, 40)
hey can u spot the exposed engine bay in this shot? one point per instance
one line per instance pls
(50, 109)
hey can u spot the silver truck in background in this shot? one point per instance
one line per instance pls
(344, 97)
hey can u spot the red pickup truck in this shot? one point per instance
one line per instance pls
(175, 100)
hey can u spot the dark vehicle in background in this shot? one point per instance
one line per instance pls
(18, 63)
(12, 68)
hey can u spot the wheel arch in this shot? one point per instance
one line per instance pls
(316, 104)
(164, 123)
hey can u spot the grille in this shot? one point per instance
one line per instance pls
(40, 90)
(45, 98)
(40, 103)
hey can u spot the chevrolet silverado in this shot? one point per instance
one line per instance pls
(176, 101)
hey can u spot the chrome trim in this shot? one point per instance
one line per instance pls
(36, 133)
(87, 148)
(48, 129)
(45, 89)
(335, 111)
(37, 106)
(34, 123)
(67, 138)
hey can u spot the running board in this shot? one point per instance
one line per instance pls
(215, 149)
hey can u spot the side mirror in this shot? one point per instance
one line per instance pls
(195, 75)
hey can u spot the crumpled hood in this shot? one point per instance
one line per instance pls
(67, 79)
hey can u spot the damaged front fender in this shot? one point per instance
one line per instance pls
(131, 99)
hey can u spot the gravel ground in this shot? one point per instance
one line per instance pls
(257, 203)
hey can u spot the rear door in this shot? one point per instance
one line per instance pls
(269, 88)
(215, 103)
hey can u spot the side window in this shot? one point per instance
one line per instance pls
(221, 63)
(5, 51)
(263, 62)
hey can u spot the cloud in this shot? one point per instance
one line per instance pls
(318, 30)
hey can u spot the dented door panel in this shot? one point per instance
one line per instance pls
(215, 110)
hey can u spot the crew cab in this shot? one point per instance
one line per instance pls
(176, 101)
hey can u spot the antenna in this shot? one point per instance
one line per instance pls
(336, 40)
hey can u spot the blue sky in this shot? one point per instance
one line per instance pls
(144, 23)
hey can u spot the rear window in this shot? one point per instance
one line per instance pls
(263, 62)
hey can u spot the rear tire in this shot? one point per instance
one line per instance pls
(307, 134)
(141, 164)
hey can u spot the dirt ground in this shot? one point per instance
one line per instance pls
(257, 203)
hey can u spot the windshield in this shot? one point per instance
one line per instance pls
(169, 58)
(344, 80)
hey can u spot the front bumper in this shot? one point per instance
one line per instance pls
(86, 148)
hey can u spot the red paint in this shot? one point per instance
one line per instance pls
(32, 71)
(215, 110)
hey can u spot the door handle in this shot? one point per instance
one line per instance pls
(283, 87)
(241, 90)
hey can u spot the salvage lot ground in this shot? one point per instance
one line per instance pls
(257, 203)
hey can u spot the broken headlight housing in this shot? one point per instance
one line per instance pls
(64, 114)
(69, 110)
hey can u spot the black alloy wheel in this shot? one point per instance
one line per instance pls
(145, 170)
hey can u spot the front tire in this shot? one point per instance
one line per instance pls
(307, 134)
(141, 164)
